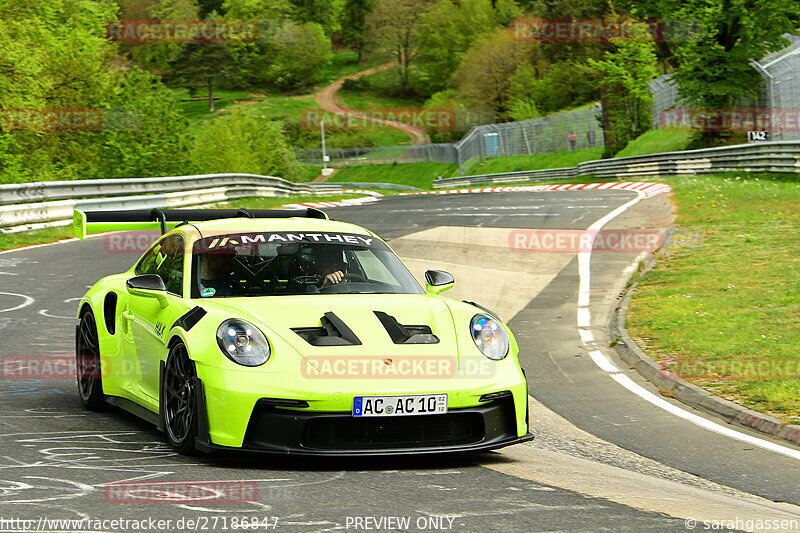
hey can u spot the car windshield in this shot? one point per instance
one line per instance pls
(281, 263)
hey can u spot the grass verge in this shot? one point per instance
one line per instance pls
(419, 175)
(721, 307)
(656, 141)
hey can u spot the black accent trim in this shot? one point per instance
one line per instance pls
(282, 402)
(437, 278)
(202, 441)
(195, 215)
(245, 213)
(482, 308)
(190, 318)
(159, 215)
(495, 396)
(110, 312)
(284, 431)
(402, 334)
(161, 367)
(334, 332)
(134, 409)
(149, 282)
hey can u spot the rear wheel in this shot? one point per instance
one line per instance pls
(178, 412)
(87, 354)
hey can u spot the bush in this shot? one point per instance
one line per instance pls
(244, 141)
(357, 84)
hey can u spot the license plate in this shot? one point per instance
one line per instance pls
(413, 404)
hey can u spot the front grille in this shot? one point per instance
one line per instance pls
(335, 432)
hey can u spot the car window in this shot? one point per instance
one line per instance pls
(278, 263)
(166, 260)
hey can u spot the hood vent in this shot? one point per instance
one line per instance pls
(401, 334)
(333, 332)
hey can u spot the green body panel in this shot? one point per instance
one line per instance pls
(132, 356)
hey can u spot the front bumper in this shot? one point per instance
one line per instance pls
(288, 431)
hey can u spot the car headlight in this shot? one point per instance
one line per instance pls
(489, 336)
(242, 342)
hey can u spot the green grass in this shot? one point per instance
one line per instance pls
(271, 106)
(655, 141)
(381, 93)
(532, 162)
(727, 291)
(345, 62)
(419, 175)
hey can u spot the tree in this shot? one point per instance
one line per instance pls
(300, 55)
(448, 30)
(244, 141)
(202, 64)
(394, 26)
(520, 93)
(354, 21)
(326, 13)
(716, 42)
(484, 77)
(155, 56)
(625, 95)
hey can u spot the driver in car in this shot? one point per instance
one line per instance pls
(331, 263)
(216, 274)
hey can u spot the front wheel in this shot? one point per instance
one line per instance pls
(178, 407)
(87, 355)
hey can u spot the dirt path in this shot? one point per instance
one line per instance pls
(328, 99)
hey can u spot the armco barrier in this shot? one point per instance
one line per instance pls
(42, 204)
(783, 156)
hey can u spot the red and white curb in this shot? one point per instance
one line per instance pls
(648, 188)
(372, 196)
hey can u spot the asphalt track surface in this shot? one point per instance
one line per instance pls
(55, 458)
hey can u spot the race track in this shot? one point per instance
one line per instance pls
(603, 459)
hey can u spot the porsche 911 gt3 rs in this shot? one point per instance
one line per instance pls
(287, 332)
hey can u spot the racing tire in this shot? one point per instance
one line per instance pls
(88, 370)
(178, 410)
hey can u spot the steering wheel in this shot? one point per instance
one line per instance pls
(354, 277)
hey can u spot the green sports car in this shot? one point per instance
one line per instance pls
(287, 332)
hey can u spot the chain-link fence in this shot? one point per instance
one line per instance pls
(779, 92)
(573, 130)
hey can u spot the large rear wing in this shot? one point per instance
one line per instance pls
(86, 222)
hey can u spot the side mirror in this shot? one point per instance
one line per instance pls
(150, 286)
(437, 281)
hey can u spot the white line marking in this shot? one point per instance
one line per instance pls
(28, 301)
(602, 361)
(586, 335)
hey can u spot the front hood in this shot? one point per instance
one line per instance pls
(278, 315)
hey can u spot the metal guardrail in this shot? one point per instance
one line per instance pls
(42, 204)
(781, 156)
